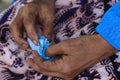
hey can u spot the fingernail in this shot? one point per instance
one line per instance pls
(24, 46)
(35, 42)
(49, 37)
(28, 59)
(29, 50)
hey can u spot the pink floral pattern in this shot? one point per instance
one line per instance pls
(74, 18)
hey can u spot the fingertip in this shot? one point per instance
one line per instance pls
(33, 36)
(48, 36)
(35, 42)
(24, 46)
(34, 53)
(36, 56)
(32, 64)
(49, 51)
(21, 42)
(54, 50)
(29, 60)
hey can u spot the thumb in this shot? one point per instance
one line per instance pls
(54, 50)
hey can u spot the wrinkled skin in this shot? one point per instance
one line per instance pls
(77, 55)
(37, 12)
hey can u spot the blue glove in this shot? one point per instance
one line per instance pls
(41, 48)
(109, 27)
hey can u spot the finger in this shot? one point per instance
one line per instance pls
(46, 18)
(54, 50)
(55, 74)
(31, 44)
(19, 39)
(36, 57)
(31, 33)
(43, 71)
(33, 65)
(48, 30)
(30, 12)
(53, 70)
(54, 66)
(15, 29)
(35, 61)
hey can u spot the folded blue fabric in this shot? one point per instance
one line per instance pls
(41, 48)
(109, 27)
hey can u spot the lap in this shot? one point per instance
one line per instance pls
(13, 61)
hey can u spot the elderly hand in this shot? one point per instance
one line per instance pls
(76, 55)
(40, 11)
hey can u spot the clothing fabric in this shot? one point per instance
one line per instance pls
(43, 43)
(109, 27)
(74, 18)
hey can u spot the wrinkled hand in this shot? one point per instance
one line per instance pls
(27, 18)
(77, 55)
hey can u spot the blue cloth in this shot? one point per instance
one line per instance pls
(41, 48)
(109, 27)
(13, 1)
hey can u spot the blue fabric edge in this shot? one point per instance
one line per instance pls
(12, 2)
(110, 31)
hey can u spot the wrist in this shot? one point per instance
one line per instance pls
(104, 45)
(108, 27)
(95, 49)
(96, 45)
(108, 47)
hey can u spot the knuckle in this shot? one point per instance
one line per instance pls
(17, 39)
(32, 8)
(64, 46)
(48, 51)
(29, 12)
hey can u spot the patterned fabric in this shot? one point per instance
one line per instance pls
(74, 18)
